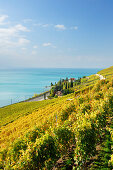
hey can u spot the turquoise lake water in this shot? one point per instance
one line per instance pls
(19, 84)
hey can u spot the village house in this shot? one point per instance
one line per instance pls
(59, 93)
(72, 79)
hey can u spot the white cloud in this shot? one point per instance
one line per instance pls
(12, 31)
(74, 28)
(35, 46)
(2, 19)
(49, 45)
(46, 44)
(12, 36)
(20, 27)
(58, 26)
(61, 27)
(9, 43)
(23, 41)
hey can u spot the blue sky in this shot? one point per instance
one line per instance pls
(56, 33)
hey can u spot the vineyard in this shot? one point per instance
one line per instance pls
(12, 112)
(70, 132)
(107, 72)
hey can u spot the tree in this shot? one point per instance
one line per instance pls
(51, 84)
(66, 78)
(71, 83)
(66, 85)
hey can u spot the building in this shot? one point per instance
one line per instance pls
(72, 79)
(58, 93)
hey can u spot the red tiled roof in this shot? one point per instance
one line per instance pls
(72, 78)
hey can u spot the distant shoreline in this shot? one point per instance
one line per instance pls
(20, 85)
(39, 97)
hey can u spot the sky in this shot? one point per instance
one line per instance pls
(56, 33)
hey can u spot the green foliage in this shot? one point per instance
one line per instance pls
(44, 150)
(87, 141)
(51, 84)
(97, 87)
(105, 153)
(32, 135)
(52, 92)
(65, 86)
(85, 107)
(35, 95)
(66, 112)
(98, 95)
(81, 100)
(86, 145)
(65, 138)
(68, 91)
(56, 96)
(18, 145)
(17, 148)
(71, 84)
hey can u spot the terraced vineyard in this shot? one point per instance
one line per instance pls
(12, 112)
(107, 73)
(70, 132)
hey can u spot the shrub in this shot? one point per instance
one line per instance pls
(98, 95)
(35, 95)
(81, 100)
(18, 145)
(45, 150)
(86, 145)
(65, 138)
(65, 113)
(85, 107)
(32, 135)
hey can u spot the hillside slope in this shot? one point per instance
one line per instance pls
(107, 73)
(74, 131)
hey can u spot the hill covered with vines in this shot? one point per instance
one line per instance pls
(70, 132)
